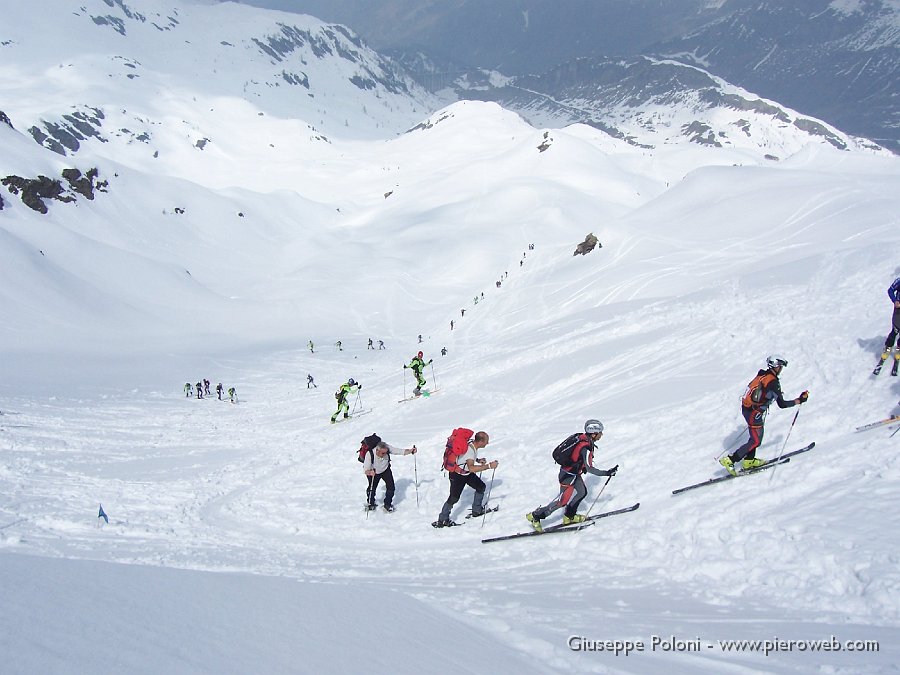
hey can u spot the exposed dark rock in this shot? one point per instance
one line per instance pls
(201, 143)
(588, 245)
(5, 120)
(34, 191)
(84, 183)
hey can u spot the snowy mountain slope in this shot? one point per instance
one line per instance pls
(655, 101)
(139, 74)
(711, 258)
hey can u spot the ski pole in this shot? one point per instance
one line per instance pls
(488, 498)
(895, 432)
(784, 445)
(433, 378)
(416, 474)
(596, 499)
(356, 403)
(369, 496)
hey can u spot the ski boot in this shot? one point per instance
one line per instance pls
(577, 518)
(370, 507)
(388, 508)
(444, 523)
(728, 464)
(748, 464)
(535, 523)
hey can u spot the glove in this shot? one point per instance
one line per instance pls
(359, 386)
(405, 366)
(430, 360)
(804, 397)
(612, 472)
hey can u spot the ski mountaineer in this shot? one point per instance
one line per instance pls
(371, 346)
(219, 390)
(199, 390)
(761, 392)
(467, 465)
(310, 345)
(894, 295)
(576, 457)
(188, 389)
(231, 393)
(417, 365)
(341, 395)
(310, 382)
(377, 467)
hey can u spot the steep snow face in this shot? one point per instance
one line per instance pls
(223, 262)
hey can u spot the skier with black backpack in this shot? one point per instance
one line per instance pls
(763, 390)
(375, 456)
(575, 455)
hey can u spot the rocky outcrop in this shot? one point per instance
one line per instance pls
(589, 244)
(33, 191)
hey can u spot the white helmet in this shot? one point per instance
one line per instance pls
(593, 427)
(775, 361)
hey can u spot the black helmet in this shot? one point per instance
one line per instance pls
(351, 381)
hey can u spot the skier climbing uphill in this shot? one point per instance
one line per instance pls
(575, 455)
(761, 392)
(418, 365)
(349, 387)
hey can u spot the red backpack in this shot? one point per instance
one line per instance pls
(457, 445)
(368, 445)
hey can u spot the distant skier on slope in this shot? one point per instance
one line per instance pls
(310, 382)
(188, 389)
(418, 365)
(575, 455)
(349, 387)
(759, 395)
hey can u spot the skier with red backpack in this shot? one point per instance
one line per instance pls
(575, 455)
(462, 462)
(759, 395)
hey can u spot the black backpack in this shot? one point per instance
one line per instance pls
(562, 453)
(368, 444)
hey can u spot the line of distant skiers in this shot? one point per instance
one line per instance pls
(202, 388)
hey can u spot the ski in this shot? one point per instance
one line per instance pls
(896, 363)
(784, 459)
(881, 360)
(486, 511)
(424, 394)
(571, 527)
(894, 419)
(353, 415)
